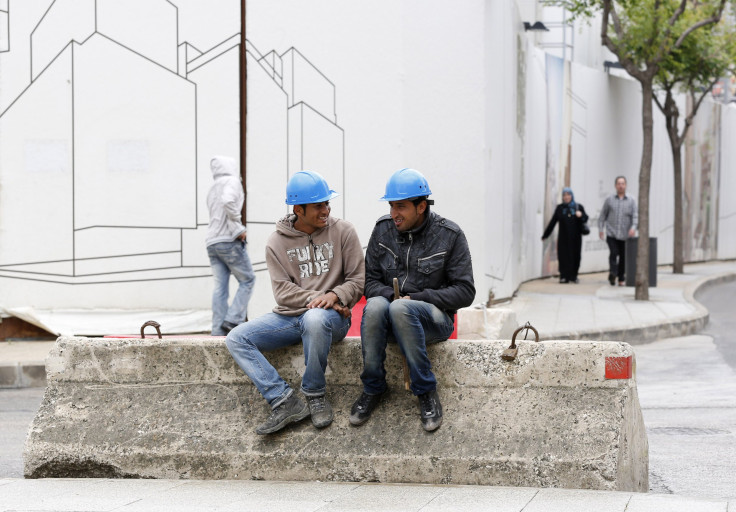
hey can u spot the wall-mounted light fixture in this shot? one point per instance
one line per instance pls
(538, 25)
(608, 64)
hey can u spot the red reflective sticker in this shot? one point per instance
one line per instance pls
(619, 367)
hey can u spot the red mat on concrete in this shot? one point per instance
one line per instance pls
(354, 327)
(358, 315)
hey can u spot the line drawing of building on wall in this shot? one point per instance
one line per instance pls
(105, 154)
(4, 26)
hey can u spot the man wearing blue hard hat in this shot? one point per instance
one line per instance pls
(317, 273)
(430, 257)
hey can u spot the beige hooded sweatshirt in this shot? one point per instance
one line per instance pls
(304, 266)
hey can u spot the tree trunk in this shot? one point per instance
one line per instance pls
(678, 249)
(645, 173)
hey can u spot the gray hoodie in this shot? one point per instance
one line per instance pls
(224, 201)
(303, 266)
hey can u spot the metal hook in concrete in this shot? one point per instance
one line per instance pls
(158, 330)
(510, 353)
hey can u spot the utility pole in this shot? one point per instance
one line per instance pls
(243, 110)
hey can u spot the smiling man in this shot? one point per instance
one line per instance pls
(317, 274)
(430, 257)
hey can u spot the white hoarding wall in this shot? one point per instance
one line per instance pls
(727, 187)
(107, 127)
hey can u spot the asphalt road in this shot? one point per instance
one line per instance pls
(17, 409)
(721, 303)
(687, 389)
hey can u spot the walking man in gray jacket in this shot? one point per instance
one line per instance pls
(619, 218)
(226, 246)
(430, 257)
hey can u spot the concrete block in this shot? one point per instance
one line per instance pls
(9, 376)
(181, 408)
(33, 375)
(27, 375)
(496, 323)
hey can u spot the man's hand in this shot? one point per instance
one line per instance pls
(405, 297)
(345, 311)
(242, 237)
(602, 236)
(632, 233)
(326, 301)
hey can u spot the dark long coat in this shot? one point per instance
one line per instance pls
(569, 239)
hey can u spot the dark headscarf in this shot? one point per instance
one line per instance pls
(571, 207)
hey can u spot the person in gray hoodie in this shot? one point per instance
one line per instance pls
(317, 274)
(226, 246)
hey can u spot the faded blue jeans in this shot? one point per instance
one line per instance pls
(227, 258)
(413, 324)
(317, 329)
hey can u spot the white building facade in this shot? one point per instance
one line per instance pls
(110, 111)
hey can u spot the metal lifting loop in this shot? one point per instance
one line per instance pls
(510, 353)
(154, 324)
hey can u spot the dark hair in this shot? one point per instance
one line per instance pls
(619, 178)
(419, 199)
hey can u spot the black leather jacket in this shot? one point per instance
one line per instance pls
(431, 262)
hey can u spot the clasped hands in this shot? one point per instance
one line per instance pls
(330, 300)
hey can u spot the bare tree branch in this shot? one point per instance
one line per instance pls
(678, 12)
(661, 107)
(670, 23)
(609, 11)
(616, 22)
(604, 21)
(696, 105)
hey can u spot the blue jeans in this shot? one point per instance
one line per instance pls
(227, 258)
(412, 324)
(317, 329)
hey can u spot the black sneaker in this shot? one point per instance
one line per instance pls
(290, 411)
(363, 407)
(321, 411)
(431, 410)
(227, 327)
(612, 279)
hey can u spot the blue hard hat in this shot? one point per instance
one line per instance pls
(307, 187)
(406, 184)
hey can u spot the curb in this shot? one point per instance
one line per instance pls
(683, 326)
(23, 375)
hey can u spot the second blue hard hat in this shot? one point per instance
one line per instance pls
(307, 187)
(406, 184)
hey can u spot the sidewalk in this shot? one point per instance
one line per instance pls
(100, 495)
(595, 310)
(591, 309)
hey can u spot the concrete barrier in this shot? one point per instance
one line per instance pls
(563, 414)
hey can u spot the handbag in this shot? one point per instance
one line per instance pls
(584, 228)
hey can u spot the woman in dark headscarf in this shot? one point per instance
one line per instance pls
(571, 216)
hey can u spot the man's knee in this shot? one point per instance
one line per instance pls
(400, 311)
(238, 338)
(376, 307)
(316, 320)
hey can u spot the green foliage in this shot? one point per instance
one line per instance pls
(644, 33)
(704, 56)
